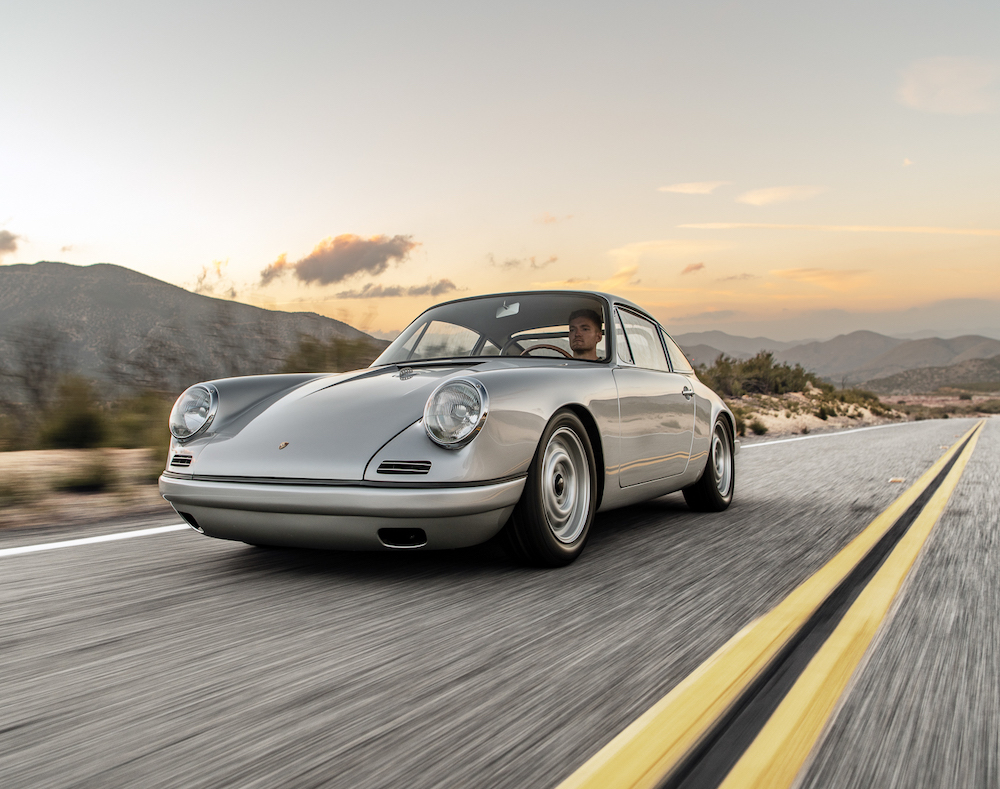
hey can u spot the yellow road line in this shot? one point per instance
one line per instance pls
(781, 748)
(647, 750)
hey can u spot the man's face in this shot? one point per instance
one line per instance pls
(584, 335)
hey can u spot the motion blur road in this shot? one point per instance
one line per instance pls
(177, 660)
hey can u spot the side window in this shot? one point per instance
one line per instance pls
(644, 340)
(620, 342)
(677, 357)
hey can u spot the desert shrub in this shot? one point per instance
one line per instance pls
(965, 396)
(139, 421)
(760, 374)
(94, 478)
(758, 427)
(15, 490)
(75, 419)
(825, 413)
(989, 407)
(336, 355)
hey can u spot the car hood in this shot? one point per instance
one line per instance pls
(327, 429)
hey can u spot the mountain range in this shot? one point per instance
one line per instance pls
(850, 359)
(99, 317)
(105, 318)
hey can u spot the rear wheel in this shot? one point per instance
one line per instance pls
(713, 491)
(551, 523)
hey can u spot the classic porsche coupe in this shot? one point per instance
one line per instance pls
(522, 413)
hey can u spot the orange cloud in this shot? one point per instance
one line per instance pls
(693, 267)
(833, 279)
(549, 219)
(950, 231)
(779, 194)
(951, 85)
(336, 259)
(8, 242)
(694, 188)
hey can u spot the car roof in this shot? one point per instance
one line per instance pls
(610, 298)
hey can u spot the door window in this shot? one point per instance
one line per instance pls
(644, 341)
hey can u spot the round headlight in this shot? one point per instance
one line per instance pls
(193, 411)
(455, 412)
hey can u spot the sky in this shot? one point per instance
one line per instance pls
(780, 168)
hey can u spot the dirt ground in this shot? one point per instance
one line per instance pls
(32, 494)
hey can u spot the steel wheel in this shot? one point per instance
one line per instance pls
(565, 485)
(722, 460)
(713, 491)
(551, 522)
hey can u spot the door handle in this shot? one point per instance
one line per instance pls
(688, 392)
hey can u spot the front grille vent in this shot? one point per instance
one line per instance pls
(404, 467)
(182, 461)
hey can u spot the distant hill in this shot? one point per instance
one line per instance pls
(107, 317)
(848, 358)
(842, 355)
(930, 352)
(971, 373)
(738, 347)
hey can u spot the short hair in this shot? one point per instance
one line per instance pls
(592, 315)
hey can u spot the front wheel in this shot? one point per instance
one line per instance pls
(551, 522)
(713, 491)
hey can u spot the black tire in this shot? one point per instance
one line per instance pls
(713, 492)
(551, 523)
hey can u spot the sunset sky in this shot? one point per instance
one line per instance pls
(791, 169)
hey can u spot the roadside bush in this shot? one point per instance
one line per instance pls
(825, 413)
(760, 374)
(336, 355)
(140, 421)
(75, 420)
(758, 427)
(94, 478)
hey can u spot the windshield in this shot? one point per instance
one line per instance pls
(561, 325)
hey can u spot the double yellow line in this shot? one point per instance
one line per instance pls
(655, 746)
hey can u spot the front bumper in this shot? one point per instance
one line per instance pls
(347, 517)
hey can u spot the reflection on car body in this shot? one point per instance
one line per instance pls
(477, 419)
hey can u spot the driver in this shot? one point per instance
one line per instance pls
(584, 333)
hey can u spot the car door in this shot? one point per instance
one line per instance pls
(656, 406)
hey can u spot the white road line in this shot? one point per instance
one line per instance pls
(850, 432)
(125, 535)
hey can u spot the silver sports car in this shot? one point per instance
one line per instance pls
(525, 413)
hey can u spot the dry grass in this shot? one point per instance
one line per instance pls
(68, 486)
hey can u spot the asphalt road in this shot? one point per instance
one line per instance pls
(178, 660)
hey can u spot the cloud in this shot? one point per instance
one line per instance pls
(665, 248)
(695, 188)
(548, 219)
(212, 281)
(336, 259)
(738, 277)
(833, 279)
(623, 278)
(372, 291)
(711, 315)
(8, 242)
(693, 267)
(907, 162)
(947, 231)
(67, 248)
(950, 85)
(530, 262)
(779, 194)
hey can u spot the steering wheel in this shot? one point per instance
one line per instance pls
(526, 351)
